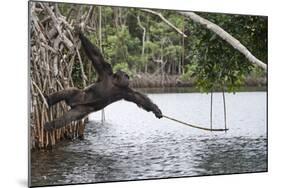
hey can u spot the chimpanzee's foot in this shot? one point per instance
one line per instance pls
(49, 126)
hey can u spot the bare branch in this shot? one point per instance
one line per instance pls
(143, 35)
(41, 94)
(51, 68)
(84, 77)
(165, 20)
(89, 14)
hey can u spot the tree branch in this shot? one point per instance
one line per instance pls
(84, 77)
(143, 35)
(225, 36)
(41, 94)
(165, 20)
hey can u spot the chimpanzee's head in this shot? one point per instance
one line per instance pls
(121, 79)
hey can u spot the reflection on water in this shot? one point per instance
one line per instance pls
(133, 144)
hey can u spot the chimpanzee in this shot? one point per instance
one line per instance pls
(110, 87)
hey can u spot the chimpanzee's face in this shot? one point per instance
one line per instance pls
(121, 79)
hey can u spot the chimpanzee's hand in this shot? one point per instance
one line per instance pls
(157, 112)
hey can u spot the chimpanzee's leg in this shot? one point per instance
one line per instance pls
(65, 94)
(76, 113)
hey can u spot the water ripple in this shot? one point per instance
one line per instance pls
(125, 149)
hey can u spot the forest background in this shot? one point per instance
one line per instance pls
(155, 55)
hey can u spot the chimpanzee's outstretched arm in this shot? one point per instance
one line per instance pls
(142, 101)
(102, 67)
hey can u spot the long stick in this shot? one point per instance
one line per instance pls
(211, 111)
(224, 108)
(194, 126)
(100, 44)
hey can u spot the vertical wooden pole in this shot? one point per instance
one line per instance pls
(224, 109)
(100, 39)
(211, 111)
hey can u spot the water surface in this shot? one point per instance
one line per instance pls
(133, 144)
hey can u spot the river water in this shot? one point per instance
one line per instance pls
(133, 144)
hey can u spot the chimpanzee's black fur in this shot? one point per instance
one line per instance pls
(110, 87)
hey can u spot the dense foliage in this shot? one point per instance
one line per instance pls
(140, 42)
(216, 63)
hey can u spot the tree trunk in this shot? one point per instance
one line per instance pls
(143, 42)
(100, 42)
(183, 52)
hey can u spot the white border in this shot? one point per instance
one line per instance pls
(13, 78)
